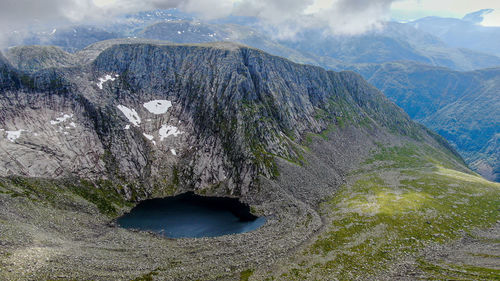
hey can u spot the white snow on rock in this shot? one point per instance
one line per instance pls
(173, 151)
(127, 127)
(158, 106)
(61, 119)
(105, 79)
(149, 137)
(131, 115)
(14, 135)
(72, 124)
(167, 130)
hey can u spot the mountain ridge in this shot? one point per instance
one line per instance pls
(246, 64)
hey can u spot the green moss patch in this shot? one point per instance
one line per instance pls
(403, 199)
(245, 275)
(61, 193)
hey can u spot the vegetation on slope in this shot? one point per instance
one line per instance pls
(463, 107)
(404, 199)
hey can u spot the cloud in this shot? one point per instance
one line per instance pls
(284, 17)
(289, 17)
(411, 9)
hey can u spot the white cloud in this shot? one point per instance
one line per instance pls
(492, 19)
(288, 17)
(284, 16)
(451, 8)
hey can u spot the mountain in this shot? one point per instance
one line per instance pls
(34, 58)
(81, 145)
(463, 33)
(183, 31)
(208, 105)
(463, 107)
(70, 39)
(422, 92)
(394, 42)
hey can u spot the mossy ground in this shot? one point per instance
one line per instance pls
(400, 201)
(62, 193)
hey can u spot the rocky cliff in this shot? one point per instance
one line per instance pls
(203, 117)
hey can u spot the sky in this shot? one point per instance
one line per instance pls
(285, 17)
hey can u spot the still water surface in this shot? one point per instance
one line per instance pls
(190, 215)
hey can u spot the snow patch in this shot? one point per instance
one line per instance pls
(173, 151)
(14, 135)
(158, 106)
(105, 79)
(167, 130)
(131, 115)
(127, 127)
(72, 124)
(149, 137)
(61, 119)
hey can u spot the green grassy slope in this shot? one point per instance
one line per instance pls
(401, 201)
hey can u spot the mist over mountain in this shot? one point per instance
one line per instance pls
(394, 41)
(463, 33)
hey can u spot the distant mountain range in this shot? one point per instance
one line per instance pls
(463, 33)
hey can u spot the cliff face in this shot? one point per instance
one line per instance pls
(157, 118)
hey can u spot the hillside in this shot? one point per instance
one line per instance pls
(34, 58)
(463, 107)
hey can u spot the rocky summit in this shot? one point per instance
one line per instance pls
(335, 167)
